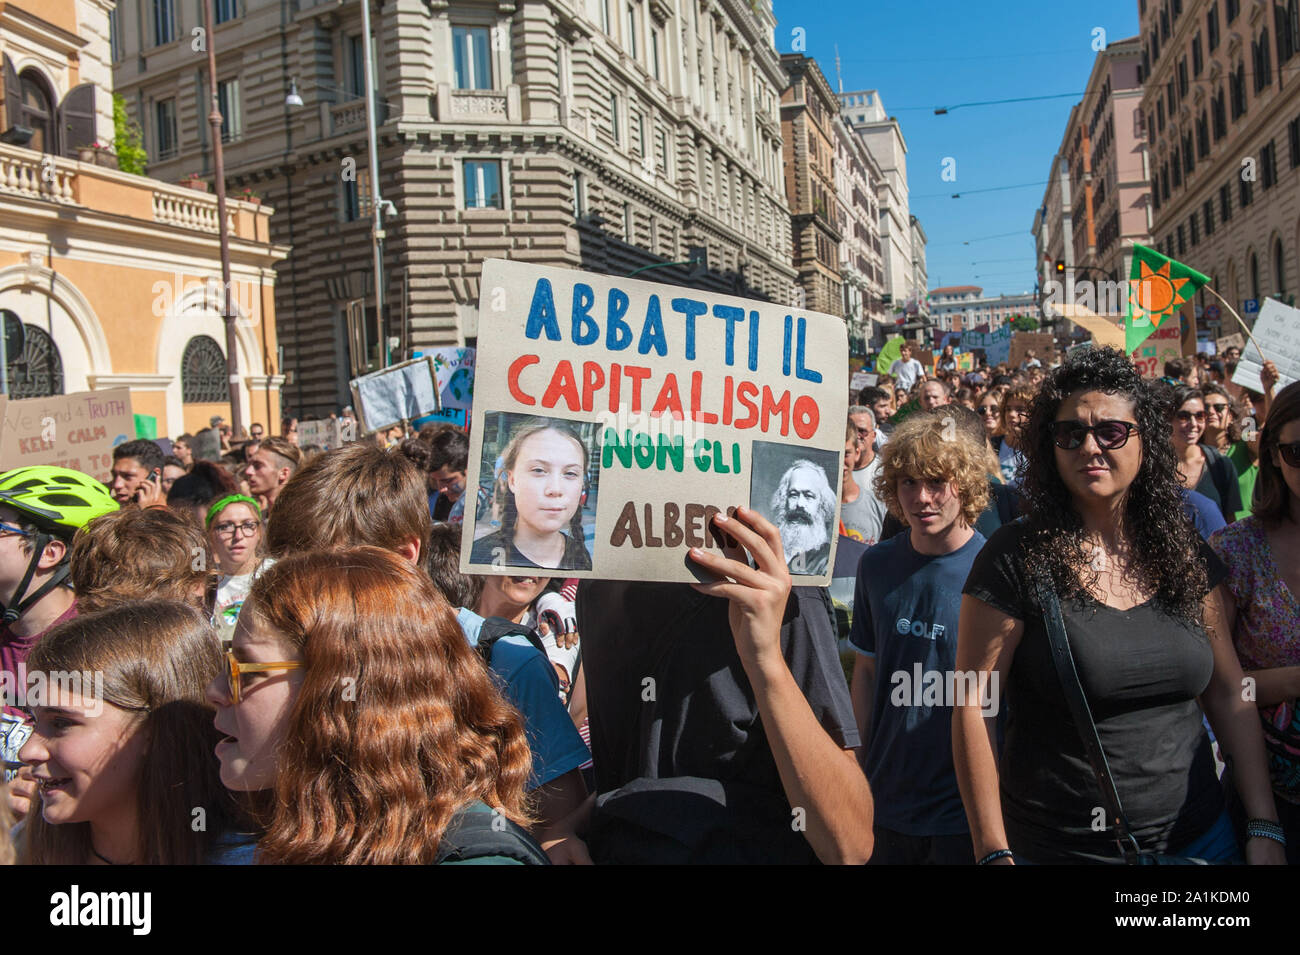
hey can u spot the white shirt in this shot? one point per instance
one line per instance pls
(906, 373)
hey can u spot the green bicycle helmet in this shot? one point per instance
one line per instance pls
(55, 499)
(58, 501)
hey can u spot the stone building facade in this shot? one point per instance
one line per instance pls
(1222, 115)
(606, 135)
(857, 176)
(808, 113)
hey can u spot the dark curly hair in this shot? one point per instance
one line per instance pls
(1165, 545)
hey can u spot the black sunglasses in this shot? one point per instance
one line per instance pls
(1110, 435)
(1290, 453)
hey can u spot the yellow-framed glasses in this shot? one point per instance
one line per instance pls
(235, 668)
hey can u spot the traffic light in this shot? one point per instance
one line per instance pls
(1060, 266)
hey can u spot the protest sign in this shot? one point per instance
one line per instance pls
(1042, 344)
(965, 361)
(400, 392)
(613, 418)
(996, 345)
(1166, 342)
(327, 433)
(456, 416)
(206, 445)
(77, 431)
(862, 379)
(454, 370)
(1277, 332)
(1229, 341)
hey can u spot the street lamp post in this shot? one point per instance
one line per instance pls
(219, 174)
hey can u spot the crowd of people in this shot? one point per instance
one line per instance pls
(280, 643)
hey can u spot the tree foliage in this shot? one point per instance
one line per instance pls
(128, 140)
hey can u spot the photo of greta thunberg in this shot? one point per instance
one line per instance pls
(795, 489)
(541, 476)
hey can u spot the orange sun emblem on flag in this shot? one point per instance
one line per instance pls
(1155, 295)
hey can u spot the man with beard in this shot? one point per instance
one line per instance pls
(804, 511)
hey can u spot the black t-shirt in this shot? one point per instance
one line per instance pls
(487, 549)
(1141, 671)
(668, 697)
(1219, 482)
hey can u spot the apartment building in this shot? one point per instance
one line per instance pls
(617, 136)
(861, 263)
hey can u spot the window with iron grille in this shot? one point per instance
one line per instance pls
(37, 371)
(204, 377)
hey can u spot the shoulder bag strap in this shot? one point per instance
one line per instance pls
(1063, 658)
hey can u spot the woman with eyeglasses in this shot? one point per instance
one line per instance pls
(367, 727)
(234, 525)
(1262, 553)
(1105, 532)
(1201, 468)
(1224, 417)
(122, 749)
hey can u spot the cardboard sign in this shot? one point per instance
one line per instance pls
(454, 370)
(996, 345)
(1166, 342)
(615, 417)
(965, 361)
(77, 431)
(397, 393)
(1277, 330)
(862, 379)
(206, 445)
(1042, 344)
(1229, 341)
(327, 433)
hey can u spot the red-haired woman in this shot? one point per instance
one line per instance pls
(355, 705)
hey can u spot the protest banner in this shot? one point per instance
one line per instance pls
(1277, 332)
(327, 433)
(1042, 344)
(862, 379)
(1166, 342)
(614, 418)
(996, 345)
(397, 393)
(1229, 341)
(77, 431)
(453, 368)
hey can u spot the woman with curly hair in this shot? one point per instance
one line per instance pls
(1105, 533)
(355, 707)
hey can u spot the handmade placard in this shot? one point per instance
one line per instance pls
(613, 418)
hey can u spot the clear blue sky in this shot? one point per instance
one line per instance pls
(926, 53)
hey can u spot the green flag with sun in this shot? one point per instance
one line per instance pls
(1158, 288)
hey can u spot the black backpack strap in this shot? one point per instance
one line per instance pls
(1081, 713)
(476, 834)
(494, 628)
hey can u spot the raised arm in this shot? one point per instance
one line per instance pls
(818, 775)
(986, 642)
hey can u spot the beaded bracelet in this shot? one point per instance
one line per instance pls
(1265, 829)
(994, 856)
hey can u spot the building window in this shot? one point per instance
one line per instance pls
(1182, 78)
(1293, 139)
(1287, 21)
(228, 103)
(1262, 60)
(1218, 111)
(164, 128)
(1212, 27)
(473, 58)
(1237, 91)
(1202, 136)
(1194, 228)
(356, 197)
(655, 43)
(224, 10)
(164, 21)
(579, 196)
(1247, 192)
(483, 184)
(354, 65)
(1176, 166)
(1225, 203)
(1232, 8)
(114, 40)
(604, 16)
(1279, 269)
(632, 45)
(204, 377)
(37, 371)
(1197, 62)
(38, 112)
(1254, 277)
(1268, 165)
(1208, 210)
(662, 140)
(627, 222)
(613, 119)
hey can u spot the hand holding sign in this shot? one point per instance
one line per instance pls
(758, 594)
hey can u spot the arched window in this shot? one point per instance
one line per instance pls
(203, 371)
(38, 371)
(38, 111)
(1279, 269)
(1254, 277)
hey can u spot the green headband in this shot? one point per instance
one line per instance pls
(226, 501)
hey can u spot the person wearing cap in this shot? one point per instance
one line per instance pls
(41, 509)
(234, 529)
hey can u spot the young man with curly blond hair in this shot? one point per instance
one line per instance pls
(934, 477)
